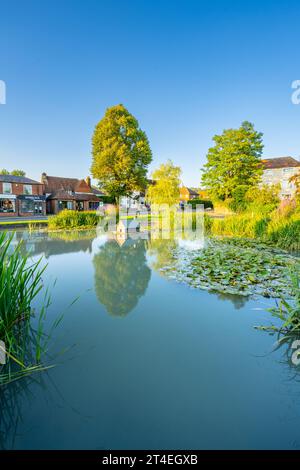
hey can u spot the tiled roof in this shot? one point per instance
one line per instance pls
(280, 162)
(65, 196)
(97, 191)
(17, 179)
(68, 189)
(191, 191)
(57, 183)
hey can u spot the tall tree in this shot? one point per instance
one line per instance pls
(165, 189)
(233, 162)
(121, 153)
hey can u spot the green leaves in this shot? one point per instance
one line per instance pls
(166, 187)
(234, 161)
(121, 153)
(235, 266)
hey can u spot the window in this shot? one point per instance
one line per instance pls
(27, 189)
(27, 206)
(7, 205)
(7, 188)
(79, 206)
(65, 205)
(30, 206)
(94, 205)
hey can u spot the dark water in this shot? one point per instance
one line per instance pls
(150, 363)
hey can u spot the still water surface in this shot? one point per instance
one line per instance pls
(145, 362)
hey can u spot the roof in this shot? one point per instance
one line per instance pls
(17, 179)
(191, 191)
(65, 196)
(58, 183)
(280, 162)
(97, 191)
(68, 189)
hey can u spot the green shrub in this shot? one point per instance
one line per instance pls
(262, 199)
(206, 203)
(68, 219)
(285, 232)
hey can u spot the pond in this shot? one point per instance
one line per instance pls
(145, 362)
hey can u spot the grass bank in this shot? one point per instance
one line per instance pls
(276, 228)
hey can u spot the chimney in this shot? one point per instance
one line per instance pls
(88, 181)
(44, 178)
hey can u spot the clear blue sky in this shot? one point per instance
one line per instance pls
(186, 69)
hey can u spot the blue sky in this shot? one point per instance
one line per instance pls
(186, 69)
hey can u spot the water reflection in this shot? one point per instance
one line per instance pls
(121, 275)
(13, 398)
(121, 272)
(161, 252)
(238, 301)
(56, 243)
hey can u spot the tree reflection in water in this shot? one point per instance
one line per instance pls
(121, 275)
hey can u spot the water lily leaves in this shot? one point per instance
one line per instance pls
(234, 266)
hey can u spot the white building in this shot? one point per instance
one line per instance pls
(279, 171)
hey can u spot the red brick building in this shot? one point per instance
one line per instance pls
(21, 196)
(69, 193)
(187, 194)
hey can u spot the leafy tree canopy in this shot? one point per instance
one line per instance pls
(165, 189)
(234, 161)
(13, 172)
(120, 153)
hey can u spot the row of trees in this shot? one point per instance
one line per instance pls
(13, 172)
(122, 154)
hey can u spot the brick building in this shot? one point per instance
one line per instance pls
(188, 194)
(21, 196)
(69, 193)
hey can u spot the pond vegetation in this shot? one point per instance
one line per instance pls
(69, 219)
(233, 266)
(23, 345)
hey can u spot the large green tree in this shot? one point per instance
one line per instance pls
(233, 162)
(165, 189)
(121, 153)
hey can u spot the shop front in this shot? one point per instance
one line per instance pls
(7, 205)
(32, 205)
